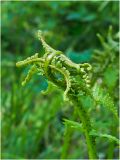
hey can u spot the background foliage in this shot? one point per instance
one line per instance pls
(33, 123)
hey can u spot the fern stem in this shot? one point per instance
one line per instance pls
(87, 127)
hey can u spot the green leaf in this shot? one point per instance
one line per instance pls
(100, 96)
(73, 124)
(110, 137)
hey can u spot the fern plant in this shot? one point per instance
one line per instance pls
(74, 80)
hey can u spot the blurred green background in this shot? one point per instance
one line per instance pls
(32, 123)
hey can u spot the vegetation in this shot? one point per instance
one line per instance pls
(89, 81)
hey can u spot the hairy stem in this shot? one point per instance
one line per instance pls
(87, 127)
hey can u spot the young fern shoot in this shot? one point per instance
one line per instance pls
(70, 77)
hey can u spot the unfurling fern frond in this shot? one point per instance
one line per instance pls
(72, 79)
(55, 63)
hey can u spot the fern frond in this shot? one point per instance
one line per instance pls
(107, 55)
(31, 71)
(29, 60)
(47, 48)
(101, 97)
(73, 124)
(109, 137)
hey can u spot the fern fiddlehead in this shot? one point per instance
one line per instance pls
(70, 77)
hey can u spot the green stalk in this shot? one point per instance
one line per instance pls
(87, 127)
